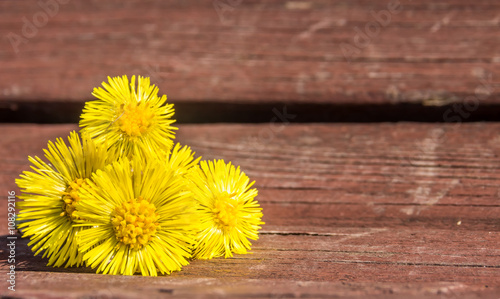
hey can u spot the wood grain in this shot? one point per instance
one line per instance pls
(389, 210)
(430, 53)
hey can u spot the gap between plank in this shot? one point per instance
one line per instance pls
(48, 112)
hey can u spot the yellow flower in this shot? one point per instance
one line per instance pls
(181, 160)
(131, 118)
(51, 193)
(227, 211)
(140, 220)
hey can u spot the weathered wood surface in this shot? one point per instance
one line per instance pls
(430, 53)
(388, 210)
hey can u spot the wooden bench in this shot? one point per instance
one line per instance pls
(354, 205)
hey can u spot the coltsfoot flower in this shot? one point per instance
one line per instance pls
(181, 160)
(140, 219)
(228, 214)
(131, 118)
(50, 195)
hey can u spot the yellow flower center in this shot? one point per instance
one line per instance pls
(136, 120)
(225, 212)
(135, 222)
(70, 198)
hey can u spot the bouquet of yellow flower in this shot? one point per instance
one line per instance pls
(123, 199)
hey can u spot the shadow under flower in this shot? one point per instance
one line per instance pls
(24, 259)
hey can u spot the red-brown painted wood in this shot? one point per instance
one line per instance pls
(388, 210)
(431, 53)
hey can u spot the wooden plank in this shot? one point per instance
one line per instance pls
(430, 53)
(388, 210)
(38, 284)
